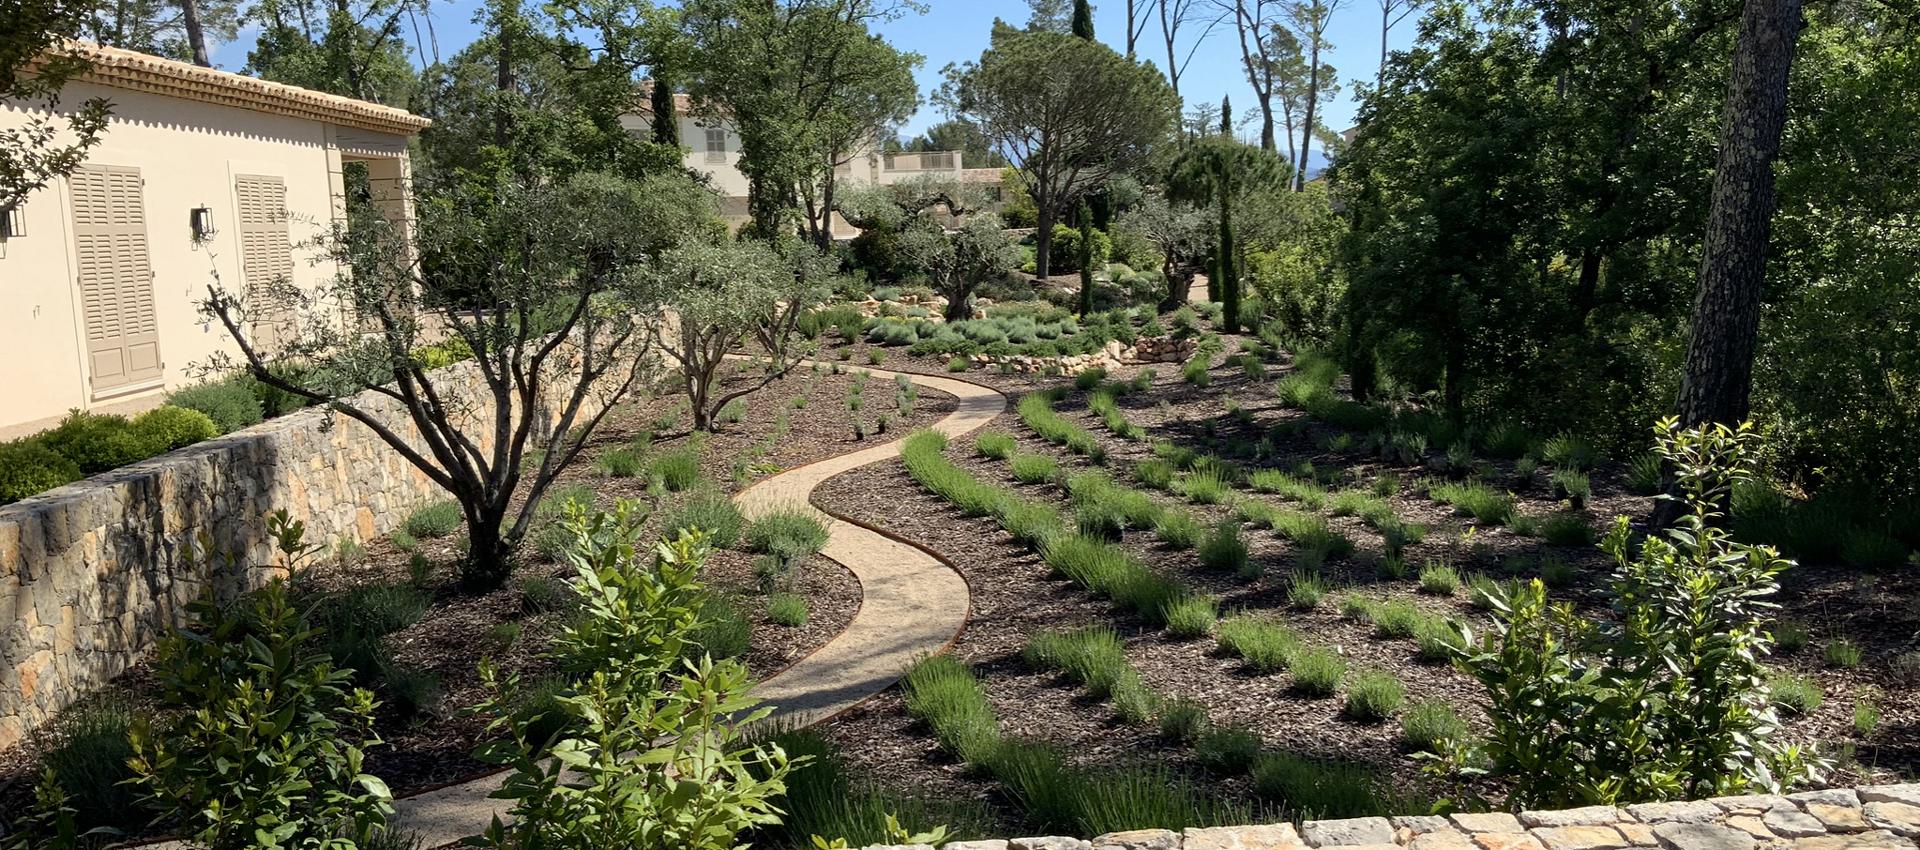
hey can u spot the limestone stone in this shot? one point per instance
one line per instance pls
(1877, 840)
(1348, 831)
(1754, 803)
(1278, 836)
(1681, 835)
(1908, 794)
(1638, 834)
(1506, 841)
(1139, 839)
(1697, 811)
(1422, 824)
(1827, 797)
(1487, 822)
(1838, 818)
(1752, 825)
(1586, 816)
(1793, 823)
(1898, 817)
(1584, 837)
(986, 844)
(1049, 842)
(1447, 840)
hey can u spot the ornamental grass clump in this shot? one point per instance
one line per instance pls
(792, 534)
(1312, 789)
(1317, 672)
(1266, 645)
(1179, 529)
(998, 445)
(1373, 696)
(1224, 549)
(1688, 640)
(1431, 726)
(1227, 750)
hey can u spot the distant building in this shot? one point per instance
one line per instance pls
(200, 174)
(713, 148)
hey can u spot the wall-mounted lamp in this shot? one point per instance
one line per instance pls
(202, 220)
(13, 222)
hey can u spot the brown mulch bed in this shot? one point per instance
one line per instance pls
(1016, 598)
(434, 748)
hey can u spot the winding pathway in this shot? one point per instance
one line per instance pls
(912, 605)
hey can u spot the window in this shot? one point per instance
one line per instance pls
(116, 284)
(716, 144)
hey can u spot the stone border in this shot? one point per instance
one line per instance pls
(1882, 817)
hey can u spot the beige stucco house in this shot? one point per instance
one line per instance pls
(102, 272)
(713, 148)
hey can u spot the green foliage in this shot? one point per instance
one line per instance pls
(1566, 529)
(1572, 486)
(230, 402)
(433, 521)
(543, 594)
(825, 797)
(269, 739)
(1687, 657)
(1643, 475)
(1155, 473)
(1195, 371)
(1483, 503)
(677, 469)
(1439, 579)
(1227, 750)
(621, 462)
(1206, 487)
(792, 534)
(90, 764)
(29, 467)
(97, 442)
(1036, 411)
(724, 631)
(1179, 529)
(1317, 672)
(1790, 636)
(1191, 617)
(1314, 789)
(1067, 248)
(1224, 550)
(787, 609)
(1841, 653)
(1306, 589)
(1795, 694)
(1866, 717)
(1432, 726)
(1373, 696)
(1266, 645)
(941, 691)
(170, 427)
(655, 750)
(1034, 468)
(998, 445)
(712, 513)
(958, 364)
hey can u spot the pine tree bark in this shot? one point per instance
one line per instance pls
(196, 35)
(1718, 381)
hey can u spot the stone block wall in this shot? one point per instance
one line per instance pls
(91, 573)
(1885, 817)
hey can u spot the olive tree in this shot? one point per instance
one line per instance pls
(723, 293)
(1179, 231)
(544, 288)
(1070, 113)
(913, 214)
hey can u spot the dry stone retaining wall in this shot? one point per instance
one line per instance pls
(91, 573)
(1885, 817)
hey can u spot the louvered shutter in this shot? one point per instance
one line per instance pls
(116, 282)
(266, 255)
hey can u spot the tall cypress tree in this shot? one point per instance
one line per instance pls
(666, 122)
(1083, 19)
(1086, 258)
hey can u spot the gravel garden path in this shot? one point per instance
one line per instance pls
(913, 604)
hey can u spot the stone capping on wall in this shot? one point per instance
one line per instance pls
(1884, 817)
(93, 572)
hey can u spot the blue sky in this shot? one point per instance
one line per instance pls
(956, 30)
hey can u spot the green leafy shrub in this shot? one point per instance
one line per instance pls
(1036, 411)
(1790, 636)
(29, 467)
(372, 609)
(1034, 468)
(1227, 750)
(1195, 371)
(543, 594)
(230, 403)
(1317, 672)
(998, 445)
(1866, 717)
(788, 609)
(1155, 473)
(1430, 726)
(724, 631)
(1374, 696)
(1436, 640)
(792, 534)
(1573, 486)
(824, 797)
(551, 536)
(1100, 520)
(1557, 573)
(678, 470)
(229, 762)
(712, 513)
(958, 364)
(1206, 487)
(1690, 642)
(169, 427)
(1311, 789)
(98, 442)
(1395, 619)
(1089, 379)
(433, 521)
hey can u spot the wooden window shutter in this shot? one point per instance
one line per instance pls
(266, 256)
(116, 281)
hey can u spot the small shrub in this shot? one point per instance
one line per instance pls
(1795, 694)
(1439, 579)
(1224, 550)
(731, 412)
(788, 609)
(1306, 589)
(1866, 717)
(1311, 789)
(1227, 750)
(1479, 501)
(1569, 451)
(1393, 568)
(1643, 475)
(1100, 520)
(1374, 696)
(1317, 672)
(1034, 468)
(1266, 646)
(1183, 720)
(98, 442)
(169, 427)
(1179, 529)
(1790, 636)
(541, 594)
(1905, 668)
(90, 764)
(998, 445)
(619, 463)
(1566, 529)
(710, 511)
(1429, 725)
(957, 364)
(944, 693)
(1155, 473)
(230, 403)
(1557, 573)
(1089, 379)
(791, 534)
(1573, 486)
(1871, 549)
(1395, 619)
(1094, 657)
(678, 470)
(1205, 487)
(431, 522)
(1191, 617)
(1195, 371)
(29, 467)
(1842, 653)
(723, 631)
(1436, 640)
